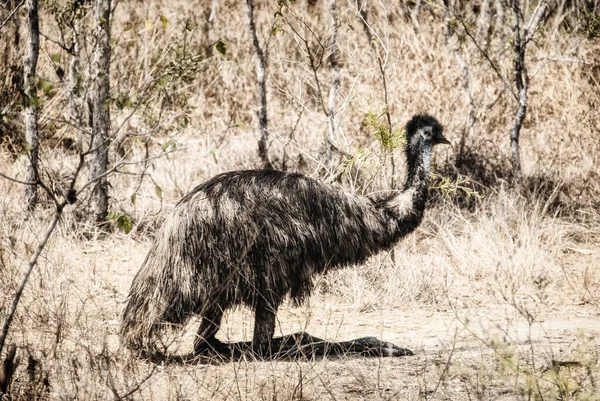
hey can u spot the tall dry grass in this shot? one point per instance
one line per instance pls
(493, 293)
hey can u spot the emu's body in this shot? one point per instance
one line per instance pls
(254, 237)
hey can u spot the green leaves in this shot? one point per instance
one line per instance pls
(168, 144)
(120, 220)
(149, 24)
(122, 101)
(45, 86)
(158, 191)
(388, 139)
(221, 47)
(164, 21)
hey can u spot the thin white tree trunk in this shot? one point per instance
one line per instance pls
(522, 36)
(521, 81)
(261, 72)
(101, 111)
(74, 75)
(31, 103)
(335, 83)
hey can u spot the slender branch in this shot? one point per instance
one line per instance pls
(314, 60)
(116, 167)
(16, 180)
(489, 60)
(12, 13)
(32, 262)
(534, 22)
(382, 64)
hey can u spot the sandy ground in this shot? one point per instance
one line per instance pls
(488, 351)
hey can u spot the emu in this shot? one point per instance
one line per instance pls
(254, 237)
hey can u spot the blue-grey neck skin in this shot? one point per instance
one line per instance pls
(407, 208)
(418, 159)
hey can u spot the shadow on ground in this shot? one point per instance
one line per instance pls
(297, 346)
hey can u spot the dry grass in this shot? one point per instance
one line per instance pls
(498, 297)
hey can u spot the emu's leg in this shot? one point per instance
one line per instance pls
(206, 342)
(264, 328)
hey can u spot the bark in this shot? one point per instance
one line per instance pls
(261, 61)
(335, 83)
(73, 80)
(31, 103)
(521, 81)
(101, 111)
(522, 36)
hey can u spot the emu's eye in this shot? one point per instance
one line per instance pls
(427, 132)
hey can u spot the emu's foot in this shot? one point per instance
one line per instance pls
(300, 346)
(303, 345)
(371, 346)
(211, 347)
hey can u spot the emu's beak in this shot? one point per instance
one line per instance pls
(442, 139)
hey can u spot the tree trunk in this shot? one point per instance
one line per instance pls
(101, 112)
(263, 150)
(31, 103)
(335, 83)
(521, 80)
(74, 73)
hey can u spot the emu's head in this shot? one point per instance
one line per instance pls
(424, 129)
(422, 133)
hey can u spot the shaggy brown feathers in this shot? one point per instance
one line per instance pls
(254, 237)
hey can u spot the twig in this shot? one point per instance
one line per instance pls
(32, 262)
(12, 13)
(16, 180)
(446, 368)
(489, 60)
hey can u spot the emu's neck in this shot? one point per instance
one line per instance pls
(418, 161)
(407, 207)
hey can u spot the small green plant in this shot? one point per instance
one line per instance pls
(389, 138)
(450, 187)
(359, 160)
(120, 220)
(591, 24)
